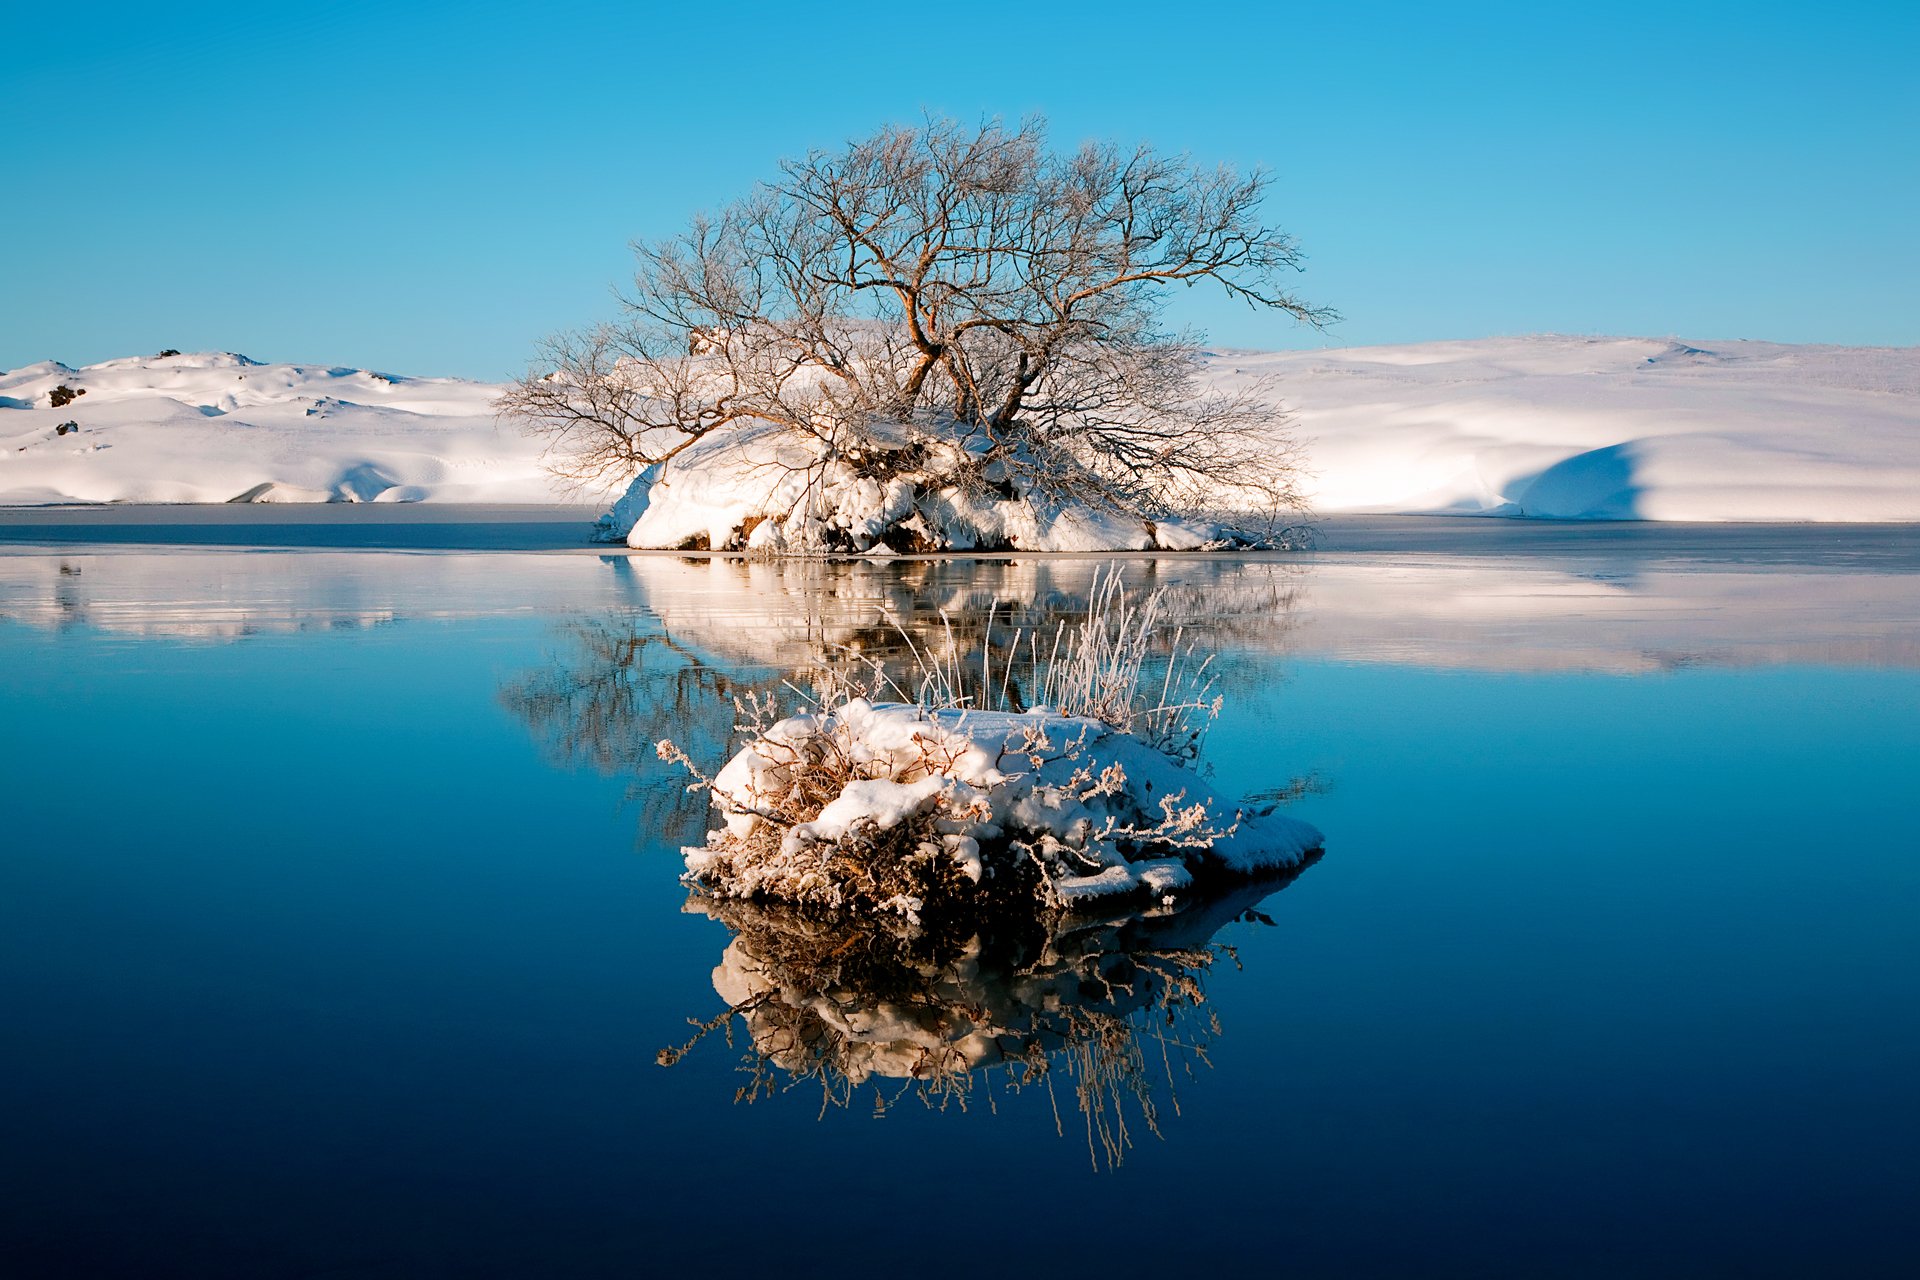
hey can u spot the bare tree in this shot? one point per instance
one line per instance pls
(969, 283)
(610, 401)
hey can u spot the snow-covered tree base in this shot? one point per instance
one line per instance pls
(895, 808)
(756, 488)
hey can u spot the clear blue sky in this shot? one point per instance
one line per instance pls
(429, 189)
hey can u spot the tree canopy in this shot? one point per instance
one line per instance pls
(970, 282)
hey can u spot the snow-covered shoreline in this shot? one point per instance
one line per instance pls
(1593, 429)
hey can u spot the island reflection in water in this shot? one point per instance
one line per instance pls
(1104, 1015)
(1108, 1011)
(619, 680)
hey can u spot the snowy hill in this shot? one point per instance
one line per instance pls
(220, 427)
(1607, 428)
(1580, 428)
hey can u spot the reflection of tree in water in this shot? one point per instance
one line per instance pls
(704, 632)
(616, 687)
(1104, 1015)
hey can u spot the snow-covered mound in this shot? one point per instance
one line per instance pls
(1606, 428)
(899, 808)
(220, 427)
(753, 487)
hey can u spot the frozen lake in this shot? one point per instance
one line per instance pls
(340, 928)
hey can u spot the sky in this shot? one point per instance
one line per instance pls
(430, 189)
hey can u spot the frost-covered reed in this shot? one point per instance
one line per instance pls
(1103, 667)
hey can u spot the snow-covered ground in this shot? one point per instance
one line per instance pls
(1607, 428)
(220, 427)
(1565, 427)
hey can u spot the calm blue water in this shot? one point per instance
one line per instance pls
(340, 933)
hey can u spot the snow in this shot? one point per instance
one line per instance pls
(1542, 426)
(756, 488)
(1098, 811)
(1605, 428)
(1558, 427)
(218, 427)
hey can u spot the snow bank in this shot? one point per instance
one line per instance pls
(218, 427)
(1556, 427)
(889, 806)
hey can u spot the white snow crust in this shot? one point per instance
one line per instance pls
(1563, 428)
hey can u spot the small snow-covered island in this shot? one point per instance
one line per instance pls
(955, 797)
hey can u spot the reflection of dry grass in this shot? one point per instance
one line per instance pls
(1291, 791)
(1110, 1012)
(930, 612)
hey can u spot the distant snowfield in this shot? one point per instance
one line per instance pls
(1554, 427)
(221, 428)
(1607, 428)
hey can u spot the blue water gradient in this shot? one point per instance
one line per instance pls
(316, 961)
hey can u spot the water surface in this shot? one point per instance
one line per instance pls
(340, 933)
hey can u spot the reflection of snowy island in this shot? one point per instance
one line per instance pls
(1112, 1005)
